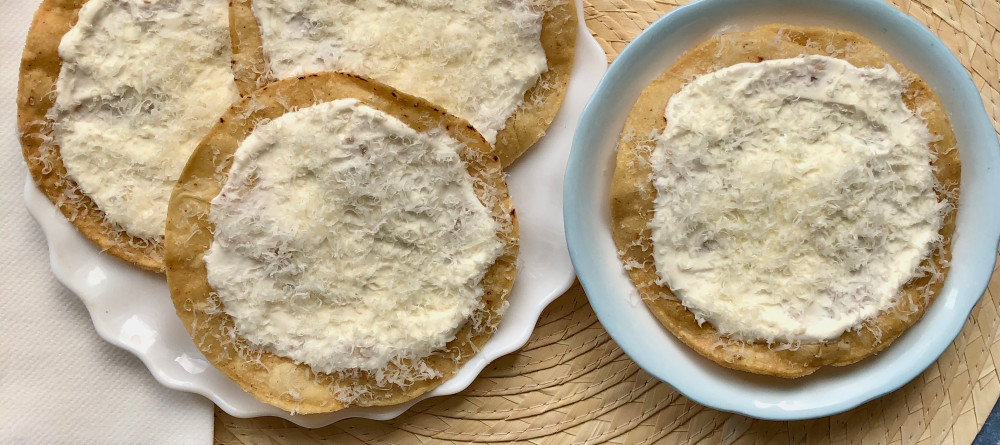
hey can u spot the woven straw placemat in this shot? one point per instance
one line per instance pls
(572, 384)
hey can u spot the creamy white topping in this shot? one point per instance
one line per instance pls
(794, 197)
(141, 83)
(344, 239)
(476, 58)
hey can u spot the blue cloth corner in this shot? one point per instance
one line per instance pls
(990, 434)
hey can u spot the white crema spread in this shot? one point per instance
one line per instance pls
(344, 239)
(795, 197)
(142, 81)
(476, 58)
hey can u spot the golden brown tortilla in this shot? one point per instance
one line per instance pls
(274, 379)
(40, 65)
(632, 195)
(523, 128)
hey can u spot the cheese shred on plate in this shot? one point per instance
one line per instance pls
(346, 240)
(795, 197)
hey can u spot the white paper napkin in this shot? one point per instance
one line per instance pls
(59, 381)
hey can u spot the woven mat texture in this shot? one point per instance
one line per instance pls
(572, 384)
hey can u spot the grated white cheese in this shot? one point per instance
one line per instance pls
(794, 197)
(346, 240)
(475, 58)
(142, 81)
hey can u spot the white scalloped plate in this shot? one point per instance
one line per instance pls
(131, 308)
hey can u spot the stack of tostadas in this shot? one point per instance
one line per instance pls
(87, 80)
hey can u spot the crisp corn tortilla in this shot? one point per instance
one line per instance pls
(274, 379)
(40, 65)
(522, 129)
(632, 195)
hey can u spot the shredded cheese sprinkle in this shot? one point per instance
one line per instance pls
(142, 82)
(475, 58)
(346, 240)
(795, 197)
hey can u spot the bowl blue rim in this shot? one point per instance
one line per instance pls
(589, 269)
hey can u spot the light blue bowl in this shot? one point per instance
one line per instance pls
(829, 391)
